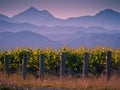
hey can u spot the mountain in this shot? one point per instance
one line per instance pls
(107, 18)
(4, 18)
(57, 30)
(75, 32)
(43, 30)
(25, 38)
(95, 39)
(34, 16)
(108, 13)
(18, 27)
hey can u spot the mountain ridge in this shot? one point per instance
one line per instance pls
(35, 16)
(106, 18)
(34, 9)
(24, 39)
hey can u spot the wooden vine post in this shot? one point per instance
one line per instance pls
(6, 65)
(62, 65)
(24, 67)
(108, 64)
(85, 65)
(41, 67)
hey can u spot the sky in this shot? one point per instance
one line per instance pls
(59, 8)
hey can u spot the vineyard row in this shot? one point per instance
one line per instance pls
(74, 61)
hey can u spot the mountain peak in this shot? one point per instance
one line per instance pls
(32, 9)
(34, 16)
(107, 12)
(32, 12)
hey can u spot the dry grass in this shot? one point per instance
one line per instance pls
(66, 83)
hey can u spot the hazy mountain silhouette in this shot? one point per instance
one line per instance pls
(106, 18)
(17, 27)
(80, 31)
(34, 16)
(24, 39)
(95, 39)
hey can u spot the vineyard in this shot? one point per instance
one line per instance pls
(74, 59)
